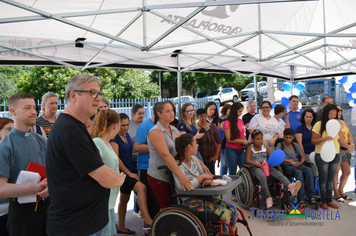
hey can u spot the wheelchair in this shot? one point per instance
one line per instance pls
(249, 192)
(289, 175)
(180, 220)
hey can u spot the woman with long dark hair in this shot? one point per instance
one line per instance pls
(303, 133)
(234, 130)
(327, 169)
(122, 146)
(212, 113)
(345, 162)
(186, 148)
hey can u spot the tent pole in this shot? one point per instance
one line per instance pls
(255, 88)
(179, 81)
(291, 79)
(160, 83)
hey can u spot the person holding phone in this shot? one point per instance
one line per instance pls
(206, 142)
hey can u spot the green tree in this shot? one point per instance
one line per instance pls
(8, 77)
(40, 80)
(7, 88)
(204, 81)
(116, 83)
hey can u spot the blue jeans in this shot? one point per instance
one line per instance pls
(326, 176)
(99, 233)
(235, 157)
(308, 181)
(223, 162)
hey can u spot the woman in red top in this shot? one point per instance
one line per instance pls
(234, 130)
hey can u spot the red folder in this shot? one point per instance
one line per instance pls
(41, 170)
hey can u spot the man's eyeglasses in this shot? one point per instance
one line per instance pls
(265, 108)
(7, 128)
(94, 94)
(190, 111)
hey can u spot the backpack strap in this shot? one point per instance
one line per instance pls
(296, 152)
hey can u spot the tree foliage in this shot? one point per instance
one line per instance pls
(204, 81)
(8, 77)
(116, 83)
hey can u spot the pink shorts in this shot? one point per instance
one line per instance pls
(162, 191)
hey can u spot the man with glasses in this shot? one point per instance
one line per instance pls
(17, 149)
(294, 112)
(78, 180)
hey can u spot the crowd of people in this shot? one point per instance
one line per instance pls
(92, 154)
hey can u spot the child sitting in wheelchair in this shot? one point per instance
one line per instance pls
(186, 148)
(256, 154)
(301, 172)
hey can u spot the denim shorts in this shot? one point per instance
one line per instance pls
(345, 156)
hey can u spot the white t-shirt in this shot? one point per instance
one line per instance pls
(269, 128)
(280, 129)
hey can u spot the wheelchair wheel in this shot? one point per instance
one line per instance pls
(244, 191)
(174, 221)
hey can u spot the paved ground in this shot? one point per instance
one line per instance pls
(293, 227)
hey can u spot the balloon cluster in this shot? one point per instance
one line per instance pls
(283, 96)
(349, 84)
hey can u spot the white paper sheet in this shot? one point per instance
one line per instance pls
(28, 177)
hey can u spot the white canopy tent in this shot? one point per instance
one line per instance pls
(276, 38)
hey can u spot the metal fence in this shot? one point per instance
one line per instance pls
(124, 105)
(314, 91)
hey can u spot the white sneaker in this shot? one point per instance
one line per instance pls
(139, 215)
(269, 202)
(294, 187)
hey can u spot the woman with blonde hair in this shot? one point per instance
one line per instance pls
(104, 128)
(49, 107)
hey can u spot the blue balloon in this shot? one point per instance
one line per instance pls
(343, 80)
(353, 88)
(286, 86)
(300, 87)
(288, 105)
(284, 101)
(277, 157)
(274, 105)
(349, 96)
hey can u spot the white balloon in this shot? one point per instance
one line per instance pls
(286, 94)
(296, 92)
(347, 85)
(353, 95)
(312, 157)
(332, 127)
(352, 103)
(351, 78)
(300, 105)
(328, 152)
(278, 95)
